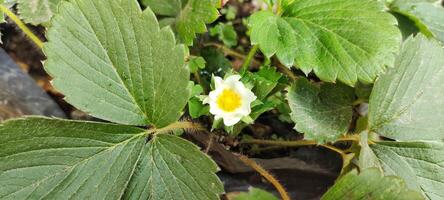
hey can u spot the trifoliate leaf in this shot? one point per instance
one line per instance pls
(420, 164)
(428, 16)
(37, 11)
(349, 40)
(42, 158)
(56, 159)
(173, 168)
(196, 63)
(190, 15)
(406, 103)
(225, 33)
(255, 194)
(322, 113)
(113, 61)
(274, 36)
(370, 184)
(264, 81)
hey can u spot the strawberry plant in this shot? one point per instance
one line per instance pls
(361, 78)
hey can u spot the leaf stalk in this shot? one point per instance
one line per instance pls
(22, 26)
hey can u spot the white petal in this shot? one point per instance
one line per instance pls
(233, 78)
(214, 109)
(232, 120)
(218, 82)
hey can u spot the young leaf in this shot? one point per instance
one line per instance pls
(348, 40)
(190, 15)
(370, 184)
(406, 103)
(56, 159)
(225, 33)
(255, 194)
(418, 163)
(427, 16)
(113, 61)
(173, 168)
(367, 158)
(42, 158)
(322, 113)
(37, 11)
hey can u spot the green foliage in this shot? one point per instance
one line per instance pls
(173, 168)
(255, 194)
(334, 47)
(427, 15)
(190, 16)
(322, 113)
(274, 36)
(406, 102)
(225, 33)
(418, 163)
(122, 68)
(37, 11)
(196, 63)
(370, 184)
(54, 159)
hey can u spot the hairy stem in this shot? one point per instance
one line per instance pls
(270, 178)
(22, 26)
(249, 57)
(176, 126)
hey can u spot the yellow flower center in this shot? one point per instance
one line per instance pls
(229, 100)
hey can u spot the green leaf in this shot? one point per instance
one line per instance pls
(196, 63)
(274, 36)
(322, 113)
(420, 164)
(190, 15)
(42, 158)
(367, 159)
(37, 11)
(56, 159)
(225, 33)
(113, 61)
(349, 40)
(264, 81)
(427, 16)
(177, 171)
(255, 194)
(370, 184)
(406, 102)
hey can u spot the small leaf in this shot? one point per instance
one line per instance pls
(225, 33)
(255, 194)
(322, 113)
(420, 164)
(349, 40)
(367, 159)
(190, 15)
(406, 102)
(37, 11)
(113, 61)
(173, 168)
(427, 15)
(196, 63)
(370, 184)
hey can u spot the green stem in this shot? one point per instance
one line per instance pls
(176, 126)
(249, 57)
(22, 26)
(279, 8)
